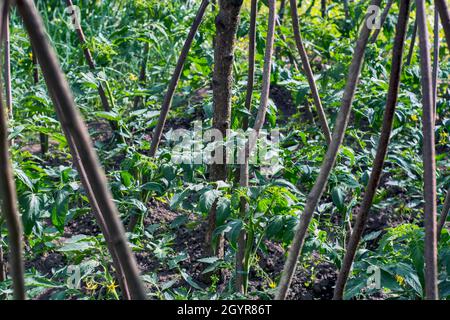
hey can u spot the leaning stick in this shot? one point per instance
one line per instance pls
(8, 195)
(382, 20)
(444, 13)
(429, 161)
(411, 46)
(251, 61)
(389, 113)
(308, 71)
(175, 78)
(93, 202)
(435, 73)
(444, 214)
(142, 74)
(8, 67)
(242, 262)
(90, 61)
(72, 121)
(329, 160)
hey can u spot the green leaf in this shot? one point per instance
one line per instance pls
(338, 197)
(207, 200)
(60, 209)
(189, 280)
(31, 204)
(108, 115)
(223, 210)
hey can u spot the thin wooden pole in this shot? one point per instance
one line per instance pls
(308, 72)
(435, 74)
(412, 45)
(429, 160)
(72, 121)
(329, 160)
(167, 103)
(9, 103)
(377, 167)
(90, 61)
(8, 194)
(251, 61)
(382, 20)
(142, 74)
(444, 214)
(242, 262)
(93, 202)
(444, 13)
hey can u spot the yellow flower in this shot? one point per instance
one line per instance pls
(31, 55)
(399, 279)
(444, 138)
(132, 77)
(91, 285)
(112, 287)
(414, 117)
(272, 284)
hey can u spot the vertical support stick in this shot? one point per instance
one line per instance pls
(329, 160)
(73, 123)
(91, 64)
(308, 71)
(8, 195)
(429, 161)
(377, 167)
(167, 103)
(243, 257)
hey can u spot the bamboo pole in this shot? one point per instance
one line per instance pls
(377, 167)
(73, 123)
(429, 161)
(329, 160)
(167, 103)
(8, 195)
(308, 71)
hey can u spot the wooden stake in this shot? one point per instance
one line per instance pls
(444, 13)
(429, 160)
(377, 167)
(8, 195)
(91, 64)
(243, 261)
(329, 160)
(382, 20)
(308, 71)
(73, 123)
(167, 103)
